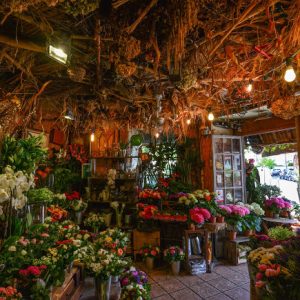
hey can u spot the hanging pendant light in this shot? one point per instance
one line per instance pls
(289, 75)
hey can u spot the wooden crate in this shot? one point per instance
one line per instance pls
(71, 288)
(141, 238)
(233, 253)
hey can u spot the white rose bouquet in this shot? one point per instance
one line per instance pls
(95, 221)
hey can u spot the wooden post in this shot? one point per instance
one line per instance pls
(206, 157)
(297, 123)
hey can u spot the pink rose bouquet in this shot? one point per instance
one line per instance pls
(173, 253)
(149, 251)
(199, 215)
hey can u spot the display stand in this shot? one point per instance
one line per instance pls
(71, 288)
(232, 252)
(277, 222)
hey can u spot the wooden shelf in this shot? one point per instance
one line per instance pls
(113, 157)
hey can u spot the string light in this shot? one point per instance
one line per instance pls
(211, 116)
(289, 74)
(249, 87)
(69, 115)
(92, 137)
(188, 121)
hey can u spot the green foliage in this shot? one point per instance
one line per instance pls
(267, 162)
(251, 222)
(22, 154)
(270, 190)
(39, 195)
(280, 233)
(65, 179)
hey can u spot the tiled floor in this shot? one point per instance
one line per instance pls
(224, 283)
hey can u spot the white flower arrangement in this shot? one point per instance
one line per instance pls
(94, 220)
(253, 207)
(13, 187)
(111, 177)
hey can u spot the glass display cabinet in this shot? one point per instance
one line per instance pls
(229, 181)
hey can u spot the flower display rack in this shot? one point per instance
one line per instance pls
(71, 288)
(232, 251)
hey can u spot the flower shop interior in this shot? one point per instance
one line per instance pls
(123, 129)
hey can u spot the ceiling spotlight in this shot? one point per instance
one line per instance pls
(58, 51)
(92, 136)
(249, 87)
(211, 116)
(188, 121)
(69, 115)
(289, 74)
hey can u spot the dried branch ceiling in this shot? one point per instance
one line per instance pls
(147, 63)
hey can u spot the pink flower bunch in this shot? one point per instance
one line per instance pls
(199, 215)
(278, 203)
(232, 209)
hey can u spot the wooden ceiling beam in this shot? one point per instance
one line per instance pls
(256, 127)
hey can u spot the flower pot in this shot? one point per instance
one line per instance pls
(192, 227)
(248, 232)
(268, 214)
(114, 279)
(107, 219)
(284, 214)
(149, 263)
(220, 219)
(232, 235)
(175, 267)
(102, 288)
(212, 219)
(276, 216)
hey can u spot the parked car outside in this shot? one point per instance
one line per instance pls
(292, 176)
(276, 172)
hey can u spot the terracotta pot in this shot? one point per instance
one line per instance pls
(248, 232)
(192, 227)
(232, 235)
(284, 214)
(268, 214)
(220, 219)
(212, 219)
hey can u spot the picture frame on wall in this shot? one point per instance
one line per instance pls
(35, 133)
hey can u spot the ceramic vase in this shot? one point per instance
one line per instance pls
(212, 219)
(102, 288)
(149, 263)
(175, 267)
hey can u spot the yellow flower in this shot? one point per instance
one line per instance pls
(108, 239)
(267, 258)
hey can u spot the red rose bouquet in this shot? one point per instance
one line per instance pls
(149, 251)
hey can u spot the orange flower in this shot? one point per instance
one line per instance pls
(273, 272)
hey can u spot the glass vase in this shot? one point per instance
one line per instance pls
(102, 288)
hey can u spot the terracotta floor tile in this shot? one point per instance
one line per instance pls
(189, 280)
(159, 276)
(205, 290)
(163, 297)
(246, 286)
(238, 294)
(185, 294)
(157, 291)
(222, 284)
(172, 285)
(224, 270)
(237, 278)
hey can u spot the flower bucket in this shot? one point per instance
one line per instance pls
(212, 219)
(78, 217)
(102, 288)
(231, 235)
(114, 279)
(149, 263)
(220, 219)
(107, 219)
(175, 267)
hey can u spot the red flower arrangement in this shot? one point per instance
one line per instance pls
(73, 196)
(57, 213)
(147, 211)
(170, 217)
(34, 271)
(150, 194)
(199, 215)
(9, 293)
(78, 152)
(149, 251)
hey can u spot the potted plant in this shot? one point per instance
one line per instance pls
(149, 253)
(174, 255)
(276, 204)
(198, 216)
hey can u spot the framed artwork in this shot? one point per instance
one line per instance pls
(227, 162)
(35, 133)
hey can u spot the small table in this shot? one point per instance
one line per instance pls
(277, 221)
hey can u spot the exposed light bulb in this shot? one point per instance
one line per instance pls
(92, 137)
(58, 54)
(69, 115)
(157, 135)
(289, 74)
(211, 116)
(188, 121)
(249, 87)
